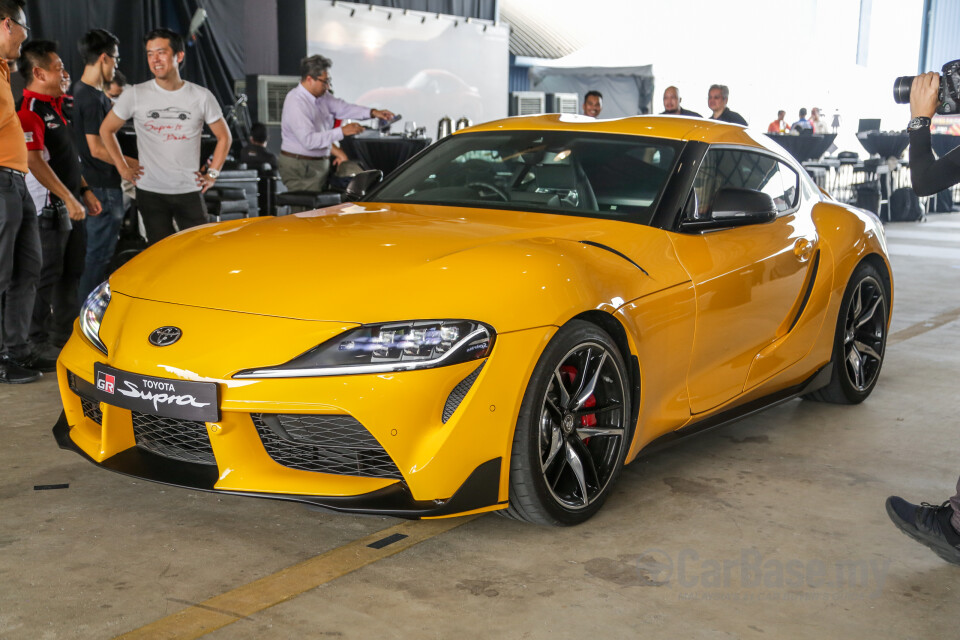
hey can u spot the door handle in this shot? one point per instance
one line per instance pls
(803, 249)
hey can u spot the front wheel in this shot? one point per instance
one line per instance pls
(860, 339)
(573, 430)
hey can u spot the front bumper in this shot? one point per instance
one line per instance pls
(444, 463)
(479, 491)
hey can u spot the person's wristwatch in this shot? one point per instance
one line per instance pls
(918, 123)
(213, 173)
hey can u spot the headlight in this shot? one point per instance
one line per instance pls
(391, 346)
(91, 314)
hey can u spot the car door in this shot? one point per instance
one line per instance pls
(750, 282)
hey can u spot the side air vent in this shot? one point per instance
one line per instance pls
(459, 393)
(806, 294)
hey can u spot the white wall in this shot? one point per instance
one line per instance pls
(773, 54)
(419, 65)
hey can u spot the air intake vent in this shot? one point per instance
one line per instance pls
(184, 440)
(84, 390)
(324, 443)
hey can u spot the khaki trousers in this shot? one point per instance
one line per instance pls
(303, 175)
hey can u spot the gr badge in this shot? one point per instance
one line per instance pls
(106, 382)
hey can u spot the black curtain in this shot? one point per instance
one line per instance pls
(213, 60)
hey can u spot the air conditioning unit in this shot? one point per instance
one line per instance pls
(266, 95)
(527, 103)
(563, 103)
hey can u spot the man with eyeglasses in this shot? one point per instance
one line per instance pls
(20, 257)
(98, 49)
(309, 113)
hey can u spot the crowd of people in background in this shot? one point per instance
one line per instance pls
(717, 98)
(63, 171)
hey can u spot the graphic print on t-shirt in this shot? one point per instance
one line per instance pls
(169, 112)
(156, 118)
(169, 125)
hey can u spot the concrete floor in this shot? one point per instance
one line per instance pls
(771, 528)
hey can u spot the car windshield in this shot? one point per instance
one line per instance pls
(566, 172)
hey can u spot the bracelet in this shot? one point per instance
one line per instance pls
(84, 189)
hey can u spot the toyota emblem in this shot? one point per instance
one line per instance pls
(165, 336)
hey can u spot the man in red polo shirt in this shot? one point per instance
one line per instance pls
(54, 162)
(19, 240)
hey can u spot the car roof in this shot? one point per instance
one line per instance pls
(670, 127)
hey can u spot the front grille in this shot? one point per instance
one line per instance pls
(83, 389)
(324, 443)
(458, 394)
(184, 440)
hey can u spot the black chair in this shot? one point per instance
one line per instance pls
(225, 203)
(306, 200)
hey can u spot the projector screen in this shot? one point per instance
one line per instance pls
(422, 66)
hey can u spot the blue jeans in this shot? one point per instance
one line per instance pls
(102, 233)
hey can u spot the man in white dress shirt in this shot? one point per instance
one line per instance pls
(309, 113)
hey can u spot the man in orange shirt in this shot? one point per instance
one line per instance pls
(780, 124)
(19, 237)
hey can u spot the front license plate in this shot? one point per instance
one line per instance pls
(157, 396)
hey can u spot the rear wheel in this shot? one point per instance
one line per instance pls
(573, 429)
(860, 339)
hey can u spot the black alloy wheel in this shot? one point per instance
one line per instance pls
(573, 431)
(860, 340)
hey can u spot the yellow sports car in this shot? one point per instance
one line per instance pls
(502, 324)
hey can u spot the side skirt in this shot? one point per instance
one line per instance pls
(817, 381)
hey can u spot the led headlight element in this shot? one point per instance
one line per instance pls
(391, 346)
(91, 314)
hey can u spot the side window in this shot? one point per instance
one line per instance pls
(723, 168)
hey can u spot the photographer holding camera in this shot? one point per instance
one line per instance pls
(937, 527)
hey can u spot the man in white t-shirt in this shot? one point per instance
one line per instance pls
(168, 115)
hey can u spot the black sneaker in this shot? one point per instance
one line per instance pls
(927, 524)
(13, 373)
(38, 361)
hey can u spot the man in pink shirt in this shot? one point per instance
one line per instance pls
(309, 113)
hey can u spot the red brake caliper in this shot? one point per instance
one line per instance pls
(589, 420)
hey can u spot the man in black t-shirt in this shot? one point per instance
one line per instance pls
(255, 154)
(98, 48)
(671, 104)
(717, 101)
(54, 163)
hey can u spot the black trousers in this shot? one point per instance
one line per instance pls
(58, 304)
(19, 264)
(159, 210)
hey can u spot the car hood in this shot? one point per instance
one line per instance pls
(370, 262)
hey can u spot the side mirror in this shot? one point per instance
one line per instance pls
(733, 207)
(361, 183)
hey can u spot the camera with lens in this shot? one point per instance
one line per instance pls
(949, 89)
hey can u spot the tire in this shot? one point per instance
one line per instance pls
(564, 460)
(153, 114)
(860, 339)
